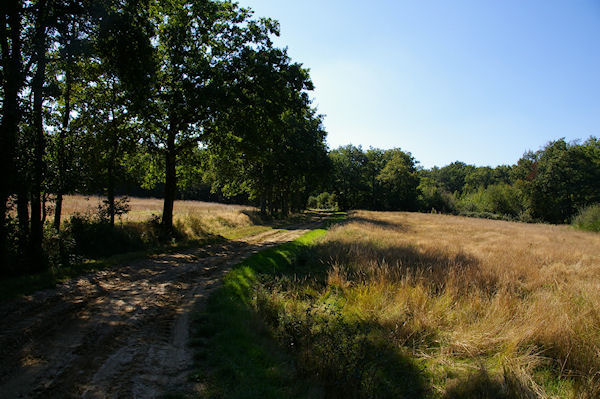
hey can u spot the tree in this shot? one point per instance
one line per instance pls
(12, 80)
(196, 42)
(271, 143)
(559, 179)
(453, 177)
(348, 177)
(400, 179)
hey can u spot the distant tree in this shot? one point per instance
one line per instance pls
(432, 197)
(274, 151)
(560, 179)
(479, 177)
(376, 161)
(452, 177)
(400, 179)
(349, 180)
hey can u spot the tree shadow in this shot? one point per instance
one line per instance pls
(365, 261)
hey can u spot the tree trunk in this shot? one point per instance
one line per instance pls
(110, 195)
(36, 234)
(12, 80)
(58, 210)
(170, 182)
(284, 204)
(263, 204)
(61, 149)
(23, 218)
(44, 214)
(3, 233)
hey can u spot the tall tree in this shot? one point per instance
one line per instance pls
(271, 143)
(12, 79)
(196, 41)
(400, 179)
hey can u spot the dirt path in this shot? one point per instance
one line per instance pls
(119, 333)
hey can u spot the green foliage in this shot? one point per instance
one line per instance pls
(375, 179)
(452, 178)
(350, 359)
(498, 199)
(324, 200)
(134, 95)
(272, 151)
(560, 179)
(399, 179)
(96, 238)
(432, 198)
(588, 218)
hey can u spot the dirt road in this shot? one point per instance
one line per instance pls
(119, 333)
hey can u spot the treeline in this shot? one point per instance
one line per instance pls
(102, 95)
(550, 185)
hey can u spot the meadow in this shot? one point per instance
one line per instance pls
(212, 217)
(425, 305)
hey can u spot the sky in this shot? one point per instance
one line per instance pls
(479, 81)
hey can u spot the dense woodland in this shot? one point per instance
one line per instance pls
(550, 185)
(191, 99)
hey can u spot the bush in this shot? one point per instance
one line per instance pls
(502, 200)
(435, 199)
(588, 218)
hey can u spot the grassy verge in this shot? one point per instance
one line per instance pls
(237, 356)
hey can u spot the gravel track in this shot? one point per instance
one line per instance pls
(118, 333)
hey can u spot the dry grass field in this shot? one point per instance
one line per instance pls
(490, 309)
(194, 217)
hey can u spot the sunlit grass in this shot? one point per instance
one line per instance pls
(487, 308)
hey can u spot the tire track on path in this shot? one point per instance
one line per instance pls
(118, 333)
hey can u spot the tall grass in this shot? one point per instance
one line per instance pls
(487, 309)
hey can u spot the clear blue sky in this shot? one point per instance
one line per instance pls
(477, 81)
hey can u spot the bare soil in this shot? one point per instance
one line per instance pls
(118, 333)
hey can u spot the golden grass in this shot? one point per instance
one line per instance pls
(521, 301)
(196, 218)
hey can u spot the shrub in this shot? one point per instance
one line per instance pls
(502, 200)
(435, 199)
(588, 218)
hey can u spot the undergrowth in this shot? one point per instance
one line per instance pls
(588, 218)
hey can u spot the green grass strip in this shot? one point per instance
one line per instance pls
(236, 355)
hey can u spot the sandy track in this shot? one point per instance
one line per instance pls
(119, 333)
